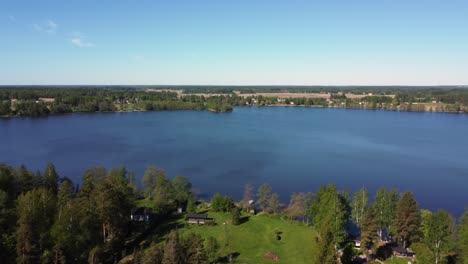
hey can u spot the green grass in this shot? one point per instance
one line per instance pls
(256, 236)
(395, 260)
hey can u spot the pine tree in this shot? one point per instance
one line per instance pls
(326, 242)
(51, 178)
(407, 219)
(369, 231)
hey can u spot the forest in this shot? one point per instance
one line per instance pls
(46, 218)
(38, 101)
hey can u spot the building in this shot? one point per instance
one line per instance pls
(198, 218)
(141, 214)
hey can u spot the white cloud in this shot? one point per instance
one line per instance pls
(48, 27)
(80, 40)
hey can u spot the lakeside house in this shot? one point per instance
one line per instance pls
(198, 218)
(141, 214)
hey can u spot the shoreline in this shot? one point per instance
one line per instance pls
(259, 106)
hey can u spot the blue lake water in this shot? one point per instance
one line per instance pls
(292, 148)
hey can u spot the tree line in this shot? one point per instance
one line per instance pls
(16, 101)
(45, 218)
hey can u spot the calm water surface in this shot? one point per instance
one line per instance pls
(292, 148)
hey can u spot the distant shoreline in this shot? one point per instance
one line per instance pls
(248, 106)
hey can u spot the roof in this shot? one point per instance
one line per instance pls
(197, 216)
(141, 211)
(400, 249)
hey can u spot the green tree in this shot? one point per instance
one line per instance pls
(163, 194)
(150, 178)
(36, 210)
(235, 216)
(328, 209)
(114, 200)
(423, 253)
(217, 202)
(212, 249)
(51, 178)
(385, 205)
(264, 195)
(274, 203)
(369, 231)
(407, 219)
(462, 242)
(439, 234)
(426, 216)
(326, 243)
(194, 248)
(191, 207)
(182, 189)
(173, 251)
(359, 205)
(153, 254)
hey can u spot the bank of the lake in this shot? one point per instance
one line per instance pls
(292, 148)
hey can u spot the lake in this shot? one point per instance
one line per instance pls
(292, 148)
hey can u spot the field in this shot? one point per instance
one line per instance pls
(255, 236)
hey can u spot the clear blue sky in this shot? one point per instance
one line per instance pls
(372, 42)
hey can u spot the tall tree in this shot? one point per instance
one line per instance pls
(462, 242)
(438, 234)
(274, 203)
(51, 178)
(326, 243)
(173, 250)
(407, 219)
(360, 199)
(36, 210)
(369, 231)
(328, 208)
(132, 183)
(194, 248)
(163, 194)
(385, 206)
(296, 207)
(182, 189)
(149, 179)
(264, 195)
(217, 202)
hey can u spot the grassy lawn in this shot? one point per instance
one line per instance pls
(255, 236)
(396, 260)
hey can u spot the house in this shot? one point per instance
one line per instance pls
(251, 208)
(141, 214)
(198, 218)
(46, 100)
(402, 252)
